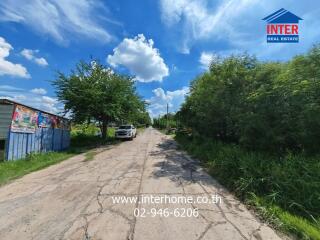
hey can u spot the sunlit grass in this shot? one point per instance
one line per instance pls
(286, 188)
(89, 156)
(80, 143)
(14, 169)
(284, 220)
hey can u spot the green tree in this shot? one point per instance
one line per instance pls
(268, 106)
(167, 120)
(93, 92)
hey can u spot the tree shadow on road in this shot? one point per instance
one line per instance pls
(176, 165)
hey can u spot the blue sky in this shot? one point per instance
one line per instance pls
(164, 43)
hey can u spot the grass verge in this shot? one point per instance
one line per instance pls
(14, 169)
(90, 156)
(80, 143)
(166, 132)
(284, 190)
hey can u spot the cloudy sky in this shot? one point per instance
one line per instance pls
(163, 43)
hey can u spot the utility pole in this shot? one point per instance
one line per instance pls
(167, 125)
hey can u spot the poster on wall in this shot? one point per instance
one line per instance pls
(65, 124)
(44, 120)
(24, 120)
(55, 122)
(49, 121)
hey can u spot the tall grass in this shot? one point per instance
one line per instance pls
(85, 138)
(290, 183)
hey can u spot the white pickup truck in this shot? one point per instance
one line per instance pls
(126, 131)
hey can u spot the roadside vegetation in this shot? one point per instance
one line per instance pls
(88, 136)
(255, 126)
(167, 124)
(83, 140)
(284, 191)
(93, 93)
(165, 121)
(95, 98)
(14, 169)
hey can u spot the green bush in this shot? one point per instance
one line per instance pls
(291, 182)
(87, 136)
(163, 122)
(85, 129)
(83, 138)
(269, 106)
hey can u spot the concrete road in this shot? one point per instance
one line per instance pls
(75, 199)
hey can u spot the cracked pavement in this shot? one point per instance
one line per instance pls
(73, 199)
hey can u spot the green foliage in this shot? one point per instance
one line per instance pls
(84, 129)
(94, 93)
(89, 156)
(267, 106)
(15, 169)
(161, 122)
(284, 220)
(83, 138)
(141, 119)
(290, 182)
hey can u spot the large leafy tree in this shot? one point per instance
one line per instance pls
(92, 92)
(261, 105)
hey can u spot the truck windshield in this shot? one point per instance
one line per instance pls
(125, 127)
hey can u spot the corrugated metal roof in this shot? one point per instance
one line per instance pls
(8, 101)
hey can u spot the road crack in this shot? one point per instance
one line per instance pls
(131, 232)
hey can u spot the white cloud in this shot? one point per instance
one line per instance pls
(9, 88)
(27, 53)
(40, 91)
(236, 25)
(206, 58)
(59, 19)
(141, 58)
(30, 55)
(7, 67)
(158, 102)
(49, 100)
(203, 19)
(41, 61)
(34, 98)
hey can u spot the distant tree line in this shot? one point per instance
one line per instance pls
(168, 120)
(94, 93)
(272, 106)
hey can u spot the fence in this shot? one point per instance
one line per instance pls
(19, 145)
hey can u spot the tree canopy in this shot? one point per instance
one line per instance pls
(269, 106)
(92, 92)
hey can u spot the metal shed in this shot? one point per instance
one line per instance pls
(28, 130)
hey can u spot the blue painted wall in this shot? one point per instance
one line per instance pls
(43, 140)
